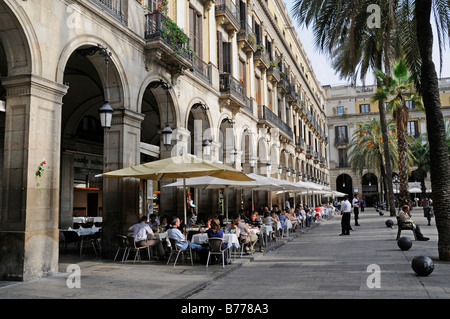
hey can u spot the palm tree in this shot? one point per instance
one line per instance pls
(429, 89)
(421, 153)
(340, 29)
(401, 87)
(366, 149)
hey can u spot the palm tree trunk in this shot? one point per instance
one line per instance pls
(403, 198)
(439, 162)
(387, 157)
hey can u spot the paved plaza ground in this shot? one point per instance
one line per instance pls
(315, 264)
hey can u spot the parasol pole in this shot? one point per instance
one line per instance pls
(226, 200)
(184, 197)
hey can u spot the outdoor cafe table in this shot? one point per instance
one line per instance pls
(84, 235)
(230, 239)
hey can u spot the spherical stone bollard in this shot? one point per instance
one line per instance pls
(404, 243)
(389, 223)
(422, 265)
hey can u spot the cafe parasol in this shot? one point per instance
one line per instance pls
(181, 166)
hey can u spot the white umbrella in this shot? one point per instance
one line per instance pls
(208, 182)
(339, 194)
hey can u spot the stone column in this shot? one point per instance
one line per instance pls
(120, 195)
(29, 235)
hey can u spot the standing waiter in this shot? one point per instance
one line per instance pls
(355, 204)
(346, 209)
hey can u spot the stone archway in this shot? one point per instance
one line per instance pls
(344, 184)
(82, 149)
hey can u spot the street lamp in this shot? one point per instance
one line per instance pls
(288, 172)
(206, 148)
(233, 156)
(280, 169)
(269, 166)
(167, 130)
(252, 161)
(106, 111)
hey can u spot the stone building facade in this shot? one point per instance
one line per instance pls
(233, 73)
(347, 106)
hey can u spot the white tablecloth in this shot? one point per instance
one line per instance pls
(266, 229)
(85, 231)
(288, 224)
(202, 238)
(83, 220)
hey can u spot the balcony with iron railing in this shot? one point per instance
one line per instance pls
(232, 90)
(115, 8)
(261, 57)
(341, 141)
(228, 14)
(273, 73)
(202, 70)
(316, 156)
(266, 116)
(246, 37)
(309, 152)
(167, 43)
(300, 143)
(284, 85)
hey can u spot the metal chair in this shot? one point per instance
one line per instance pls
(137, 250)
(215, 248)
(174, 249)
(123, 244)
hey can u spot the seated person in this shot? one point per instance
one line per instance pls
(247, 238)
(220, 217)
(269, 220)
(207, 225)
(233, 227)
(253, 221)
(192, 219)
(175, 233)
(405, 217)
(163, 226)
(290, 215)
(141, 232)
(216, 232)
(154, 222)
(282, 218)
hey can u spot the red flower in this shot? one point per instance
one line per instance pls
(159, 3)
(44, 162)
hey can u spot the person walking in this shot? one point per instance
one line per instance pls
(346, 209)
(355, 204)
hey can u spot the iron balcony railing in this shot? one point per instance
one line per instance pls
(246, 32)
(157, 26)
(113, 8)
(275, 72)
(266, 114)
(202, 70)
(228, 84)
(230, 9)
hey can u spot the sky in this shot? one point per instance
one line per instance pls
(325, 73)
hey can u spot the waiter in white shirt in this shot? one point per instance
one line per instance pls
(355, 204)
(346, 209)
